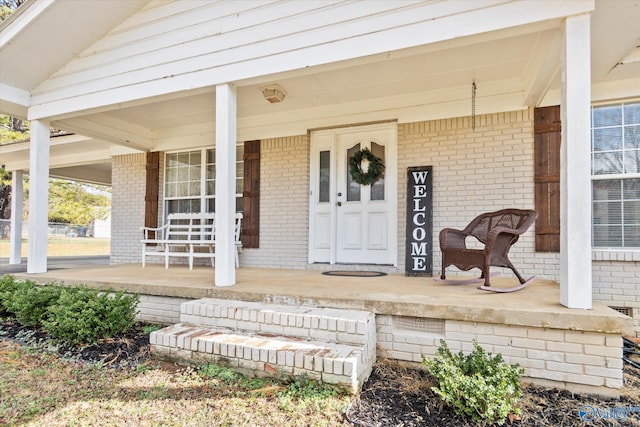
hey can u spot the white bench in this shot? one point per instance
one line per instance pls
(188, 236)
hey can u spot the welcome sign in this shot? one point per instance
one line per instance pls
(419, 241)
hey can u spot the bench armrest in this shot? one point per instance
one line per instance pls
(159, 232)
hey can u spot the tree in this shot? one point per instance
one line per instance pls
(76, 203)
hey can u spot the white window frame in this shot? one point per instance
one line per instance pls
(609, 177)
(203, 197)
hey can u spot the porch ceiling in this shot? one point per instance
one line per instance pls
(513, 68)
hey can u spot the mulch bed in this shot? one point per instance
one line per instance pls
(396, 394)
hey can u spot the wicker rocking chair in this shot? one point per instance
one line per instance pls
(498, 231)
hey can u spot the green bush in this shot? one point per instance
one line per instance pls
(85, 316)
(8, 286)
(30, 302)
(478, 385)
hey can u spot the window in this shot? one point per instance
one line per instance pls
(190, 184)
(615, 160)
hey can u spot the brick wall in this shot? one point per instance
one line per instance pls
(575, 360)
(284, 205)
(474, 171)
(616, 281)
(127, 207)
(159, 309)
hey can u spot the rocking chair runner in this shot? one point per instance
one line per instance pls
(498, 231)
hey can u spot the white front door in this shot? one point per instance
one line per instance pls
(351, 222)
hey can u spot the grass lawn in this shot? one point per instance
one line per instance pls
(66, 246)
(39, 389)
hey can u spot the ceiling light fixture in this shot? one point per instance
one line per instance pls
(273, 93)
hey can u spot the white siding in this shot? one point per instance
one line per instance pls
(174, 46)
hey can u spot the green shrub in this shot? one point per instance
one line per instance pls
(85, 316)
(8, 285)
(29, 302)
(478, 385)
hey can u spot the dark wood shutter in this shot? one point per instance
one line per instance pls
(151, 193)
(251, 195)
(547, 131)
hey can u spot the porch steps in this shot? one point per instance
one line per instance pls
(331, 345)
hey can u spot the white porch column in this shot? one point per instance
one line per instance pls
(575, 165)
(225, 272)
(17, 203)
(38, 196)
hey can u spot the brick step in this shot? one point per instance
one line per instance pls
(310, 323)
(343, 365)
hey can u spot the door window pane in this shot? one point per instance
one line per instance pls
(324, 178)
(353, 188)
(377, 187)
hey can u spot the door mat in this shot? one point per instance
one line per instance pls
(354, 273)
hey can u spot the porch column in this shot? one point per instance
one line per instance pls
(575, 165)
(38, 196)
(225, 271)
(17, 203)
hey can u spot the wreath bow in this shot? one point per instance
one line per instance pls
(373, 173)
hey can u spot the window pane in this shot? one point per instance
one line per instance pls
(194, 188)
(211, 155)
(170, 189)
(607, 139)
(631, 189)
(377, 187)
(632, 161)
(195, 173)
(172, 160)
(632, 236)
(239, 183)
(607, 236)
(211, 188)
(172, 206)
(607, 116)
(183, 159)
(183, 174)
(239, 204)
(606, 213)
(632, 113)
(183, 206)
(632, 136)
(607, 163)
(607, 190)
(183, 189)
(632, 213)
(211, 205)
(325, 177)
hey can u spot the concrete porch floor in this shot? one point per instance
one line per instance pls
(538, 305)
